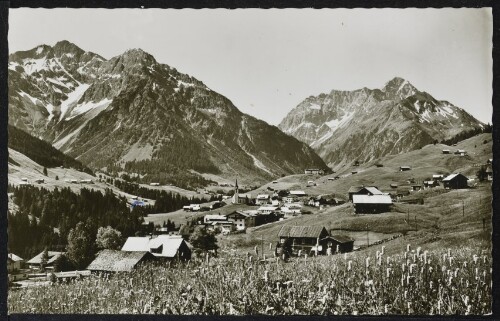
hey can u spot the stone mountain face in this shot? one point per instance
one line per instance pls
(365, 124)
(133, 113)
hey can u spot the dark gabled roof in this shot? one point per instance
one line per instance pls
(341, 238)
(301, 231)
(354, 189)
(118, 261)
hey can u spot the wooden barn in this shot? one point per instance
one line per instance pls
(119, 261)
(404, 168)
(339, 243)
(455, 181)
(371, 204)
(307, 239)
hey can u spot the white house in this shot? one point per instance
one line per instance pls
(267, 209)
(262, 199)
(298, 193)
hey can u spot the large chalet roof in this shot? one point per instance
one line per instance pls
(117, 261)
(169, 245)
(452, 176)
(301, 231)
(53, 255)
(371, 199)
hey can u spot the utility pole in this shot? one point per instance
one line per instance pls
(367, 236)
(463, 208)
(416, 226)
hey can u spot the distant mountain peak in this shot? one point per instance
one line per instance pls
(366, 124)
(399, 88)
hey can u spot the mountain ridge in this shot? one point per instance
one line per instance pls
(132, 112)
(364, 124)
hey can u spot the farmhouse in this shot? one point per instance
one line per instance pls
(404, 168)
(162, 246)
(154, 184)
(262, 199)
(438, 177)
(446, 151)
(364, 204)
(14, 263)
(460, 152)
(35, 262)
(40, 181)
(313, 171)
(362, 190)
(118, 261)
(305, 238)
(455, 181)
(339, 243)
(394, 185)
(489, 173)
(241, 220)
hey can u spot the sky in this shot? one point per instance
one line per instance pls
(267, 61)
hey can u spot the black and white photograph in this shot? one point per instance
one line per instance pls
(250, 161)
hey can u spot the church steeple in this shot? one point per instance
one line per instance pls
(236, 196)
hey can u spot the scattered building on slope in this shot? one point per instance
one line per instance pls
(371, 204)
(455, 181)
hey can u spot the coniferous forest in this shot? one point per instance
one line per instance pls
(48, 216)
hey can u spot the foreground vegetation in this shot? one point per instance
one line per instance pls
(414, 281)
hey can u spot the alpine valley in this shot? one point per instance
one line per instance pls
(366, 124)
(131, 113)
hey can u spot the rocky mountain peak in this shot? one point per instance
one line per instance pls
(137, 56)
(399, 88)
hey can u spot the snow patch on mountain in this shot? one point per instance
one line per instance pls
(72, 99)
(337, 123)
(35, 65)
(85, 107)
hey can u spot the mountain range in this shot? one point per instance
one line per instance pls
(135, 114)
(365, 124)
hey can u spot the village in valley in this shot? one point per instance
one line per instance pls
(318, 213)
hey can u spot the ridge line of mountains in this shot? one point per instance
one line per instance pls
(131, 113)
(366, 124)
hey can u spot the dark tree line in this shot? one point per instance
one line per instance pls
(31, 229)
(40, 151)
(467, 134)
